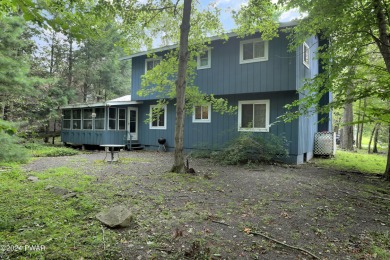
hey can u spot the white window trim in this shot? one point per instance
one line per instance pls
(267, 107)
(150, 59)
(202, 120)
(305, 45)
(165, 118)
(208, 61)
(265, 58)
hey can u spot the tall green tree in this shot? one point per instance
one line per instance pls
(15, 61)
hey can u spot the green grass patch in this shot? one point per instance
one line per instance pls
(356, 161)
(34, 216)
(45, 150)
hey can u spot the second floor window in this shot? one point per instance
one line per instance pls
(151, 63)
(204, 59)
(253, 50)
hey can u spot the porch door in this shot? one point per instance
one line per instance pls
(132, 122)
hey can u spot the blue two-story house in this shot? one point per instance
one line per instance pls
(259, 77)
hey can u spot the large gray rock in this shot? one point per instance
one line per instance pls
(118, 216)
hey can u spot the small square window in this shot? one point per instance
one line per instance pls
(204, 59)
(306, 55)
(253, 50)
(202, 114)
(158, 117)
(151, 63)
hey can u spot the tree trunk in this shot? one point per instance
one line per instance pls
(358, 125)
(362, 125)
(387, 171)
(347, 140)
(375, 148)
(179, 165)
(70, 62)
(372, 135)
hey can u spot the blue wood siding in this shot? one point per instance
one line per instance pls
(222, 128)
(91, 137)
(227, 76)
(307, 123)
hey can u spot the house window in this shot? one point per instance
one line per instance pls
(87, 118)
(99, 119)
(67, 119)
(158, 117)
(112, 118)
(202, 114)
(76, 116)
(204, 59)
(306, 55)
(121, 119)
(151, 63)
(253, 50)
(253, 115)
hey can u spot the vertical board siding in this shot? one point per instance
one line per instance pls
(222, 129)
(227, 76)
(307, 123)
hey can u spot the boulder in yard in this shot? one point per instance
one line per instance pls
(115, 217)
(32, 178)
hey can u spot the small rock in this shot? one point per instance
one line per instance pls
(48, 187)
(118, 216)
(33, 178)
(69, 195)
(59, 191)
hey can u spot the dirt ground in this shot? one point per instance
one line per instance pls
(222, 212)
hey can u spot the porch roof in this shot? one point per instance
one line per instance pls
(125, 100)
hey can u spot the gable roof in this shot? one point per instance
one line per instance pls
(213, 38)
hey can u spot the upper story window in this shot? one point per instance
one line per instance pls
(151, 63)
(253, 50)
(253, 115)
(306, 55)
(202, 114)
(158, 117)
(204, 59)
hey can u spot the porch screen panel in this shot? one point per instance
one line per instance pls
(260, 116)
(112, 118)
(247, 115)
(133, 121)
(122, 119)
(76, 113)
(87, 118)
(99, 119)
(67, 118)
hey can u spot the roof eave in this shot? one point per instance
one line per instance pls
(213, 38)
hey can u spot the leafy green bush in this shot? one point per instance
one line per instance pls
(248, 147)
(10, 150)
